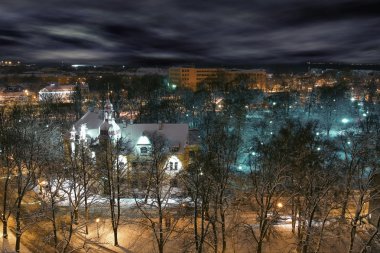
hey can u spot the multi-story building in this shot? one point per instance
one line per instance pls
(189, 77)
(17, 96)
(14, 94)
(57, 93)
(60, 93)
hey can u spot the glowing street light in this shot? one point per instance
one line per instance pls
(280, 205)
(97, 226)
(345, 120)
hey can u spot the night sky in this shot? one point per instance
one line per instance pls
(192, 31)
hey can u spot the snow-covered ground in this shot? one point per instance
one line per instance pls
(66, 196)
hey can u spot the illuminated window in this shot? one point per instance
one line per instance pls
(173, 165)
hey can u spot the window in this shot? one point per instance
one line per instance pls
(171, 165)
(144, 150)
(176, 166)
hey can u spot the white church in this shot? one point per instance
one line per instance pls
(97, 124)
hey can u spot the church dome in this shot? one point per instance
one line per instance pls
(114, 131)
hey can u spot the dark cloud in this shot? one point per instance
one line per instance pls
(176, 32)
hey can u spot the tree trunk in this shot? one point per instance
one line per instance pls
(259, 246)
(308, 231)
(54, 224)
(76, 215)
(294, 216)
(18, 226)
(5, 226)
(86, 211)
(202, 232)
(223, 222)
(346, 195)
(215, 234)
(195, 223)
(352, 238)
(116, 242)
(85, 190)
(355, 221)
(114, 227)
(3, 216)
(160, 225)
(71, 230)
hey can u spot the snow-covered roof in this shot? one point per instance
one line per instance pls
(175, 134)
(93, 120)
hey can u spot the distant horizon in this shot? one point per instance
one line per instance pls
(150, 63)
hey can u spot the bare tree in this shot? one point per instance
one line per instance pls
(199, 186)
(112, 163)
(359, 152)
(266, 189)
(26, 160)
(6, 165)
(73, 189)
(221, 160)
(155, 208)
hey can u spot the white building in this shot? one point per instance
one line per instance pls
(57, 93)
(97, 124)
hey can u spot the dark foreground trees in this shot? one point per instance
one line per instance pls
(23, 145)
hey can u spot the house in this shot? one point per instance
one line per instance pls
(97, 124)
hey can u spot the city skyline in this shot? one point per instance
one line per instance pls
(168, 32)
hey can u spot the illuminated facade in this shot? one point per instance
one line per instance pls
(57, 93)
(97, 125)
(17, 96)
(193, 77)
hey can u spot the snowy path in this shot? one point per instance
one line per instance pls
(8, 245)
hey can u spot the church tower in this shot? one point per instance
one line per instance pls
(109, 129)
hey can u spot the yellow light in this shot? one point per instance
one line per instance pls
(97, 220)
(279, 205)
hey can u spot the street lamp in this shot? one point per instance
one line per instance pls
(279, 205)
(97, 226)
